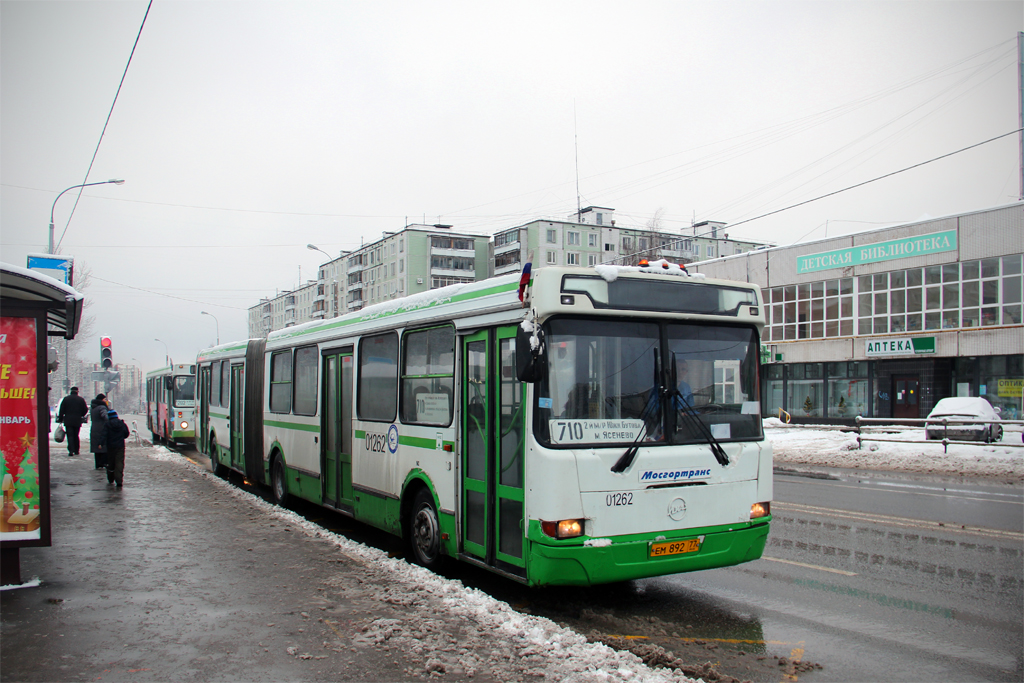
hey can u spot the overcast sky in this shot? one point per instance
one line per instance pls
(246, 130)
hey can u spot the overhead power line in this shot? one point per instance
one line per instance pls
(851, 187)
(105, 124)
(169, 296)
(881, 177)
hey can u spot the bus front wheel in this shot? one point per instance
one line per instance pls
(215, 464)
(424, 531)
(278, 485)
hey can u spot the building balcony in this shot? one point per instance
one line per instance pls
(465, 253)
(505, 248)
(355, 267)
(510, 268)
(448, 272)
(318, 315)
(320, 297)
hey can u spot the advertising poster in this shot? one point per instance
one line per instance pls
(19, 430)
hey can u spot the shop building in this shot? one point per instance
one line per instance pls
(887, 322)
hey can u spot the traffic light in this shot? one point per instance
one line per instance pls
(106, 354)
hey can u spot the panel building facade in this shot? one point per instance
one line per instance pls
(415, 259)
(592, 237)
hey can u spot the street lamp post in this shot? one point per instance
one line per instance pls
(138, 385)
(214, 320)
(167, 357)
(115, 181)
(316, 248)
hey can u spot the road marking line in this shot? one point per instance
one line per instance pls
(930, 525)
(795, 655)
(942, 494)
(810, 566)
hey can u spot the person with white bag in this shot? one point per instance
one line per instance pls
(72, 412)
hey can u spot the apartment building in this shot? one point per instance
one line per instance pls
(415, 259)
(592, 237)
(283, 310)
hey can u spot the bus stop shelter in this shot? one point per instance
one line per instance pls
(33, 308)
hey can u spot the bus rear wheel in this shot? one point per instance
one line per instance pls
(278, 485)
(424, 531)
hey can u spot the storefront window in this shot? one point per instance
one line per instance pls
(805, 390)
(847, 389)
(772, 395)
(1001, 378)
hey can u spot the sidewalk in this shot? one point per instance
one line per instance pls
(181, 576)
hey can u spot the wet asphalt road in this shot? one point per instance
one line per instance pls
(858, 577)
(158, 582)
(866, 582)
(172, 578)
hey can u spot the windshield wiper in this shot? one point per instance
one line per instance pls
(692, 420)
(627, 458)
(698, 425)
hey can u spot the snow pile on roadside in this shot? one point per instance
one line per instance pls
(517, 645)
(798, 444)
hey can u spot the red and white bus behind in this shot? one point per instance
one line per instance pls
(170, 404)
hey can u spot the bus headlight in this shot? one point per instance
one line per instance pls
(760, 510)
(184, 425)
(565, 528)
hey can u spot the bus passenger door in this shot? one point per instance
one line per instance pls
(493, 446)
(236, 422)
(202, 415)
(336, 451)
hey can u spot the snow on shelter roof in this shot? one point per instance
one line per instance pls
(63, 303)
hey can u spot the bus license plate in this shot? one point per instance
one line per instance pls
(690, 545)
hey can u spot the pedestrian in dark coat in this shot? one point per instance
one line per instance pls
(98, 414)
(114, 434)
(72, 412)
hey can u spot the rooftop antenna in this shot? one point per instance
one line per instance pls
(576, 142)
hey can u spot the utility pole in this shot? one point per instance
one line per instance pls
(1020, 105)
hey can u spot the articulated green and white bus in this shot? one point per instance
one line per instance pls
(605, 428)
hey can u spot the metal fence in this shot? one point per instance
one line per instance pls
(876, 425)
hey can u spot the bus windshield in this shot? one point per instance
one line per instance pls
(610, 382)
(184, 390)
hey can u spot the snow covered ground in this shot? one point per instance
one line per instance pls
(830, 447)
(548, 651)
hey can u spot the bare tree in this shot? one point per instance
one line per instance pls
(76, 347)
(654, 223)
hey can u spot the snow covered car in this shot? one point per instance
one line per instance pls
(959, 409)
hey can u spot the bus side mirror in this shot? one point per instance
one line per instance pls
(528, 360)
(169, 383)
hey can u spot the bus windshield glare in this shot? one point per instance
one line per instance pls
(610, 383)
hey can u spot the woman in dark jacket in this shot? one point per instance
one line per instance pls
(97, 443)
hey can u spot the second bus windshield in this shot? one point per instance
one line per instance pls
(184, 390)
